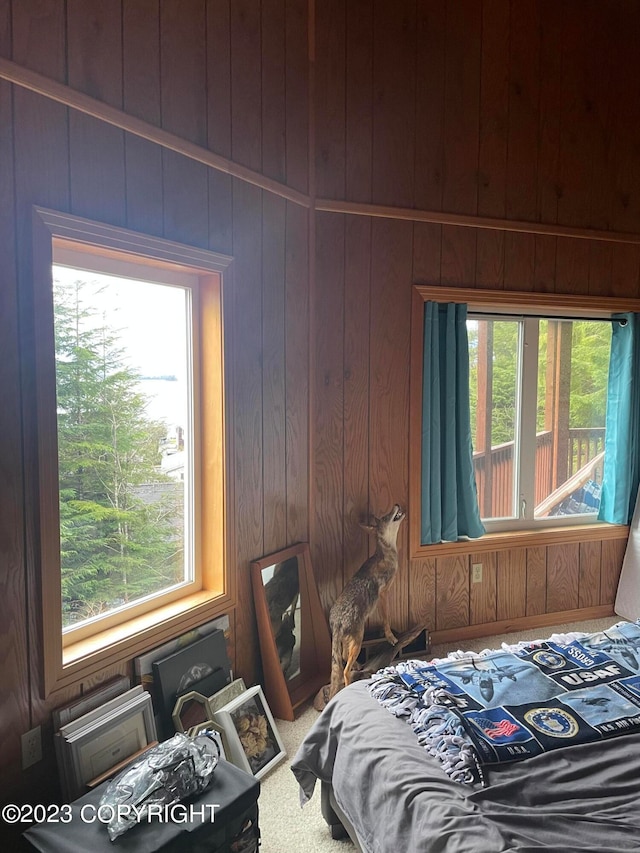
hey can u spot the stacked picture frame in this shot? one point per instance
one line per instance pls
(242, 721)
(103, 739)
(197, 660)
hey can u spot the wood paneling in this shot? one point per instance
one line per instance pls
(329, 99)
(42, 176)
(247, 407)
(549, 111)
(246, 64)
(512, 584)
(462, 106)
(184, 111)
(427, 253)
(536, 581)
(562, 577)
(483, 595)
(216, 74)
(589, 580)
(358, 128)
(452, 592)
(492, 151)
(141, 98)
(388, 424)
(394, 27)
(273, 74)
(96, 152)
(14, 662)
(357, 383)
(428, 176)
(612, 556)
(297, 366)
(273, 373)
(327, 427)
(422, 593)
(502, 109)
(297, 88)
(522, 141)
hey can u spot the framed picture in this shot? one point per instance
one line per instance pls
(143, 664)
(203, 662)
(254, 742)
(66, 714)
(104, 738)
(222, 697)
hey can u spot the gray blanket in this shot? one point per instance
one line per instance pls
(398, 798)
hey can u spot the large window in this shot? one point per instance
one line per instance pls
(538, 393)
(538, 371)
(126, 409)
(131, 441)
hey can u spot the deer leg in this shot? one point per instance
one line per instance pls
(353, 650)
(382, 604)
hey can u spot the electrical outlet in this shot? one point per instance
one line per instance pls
(31, 747)
(476, 573)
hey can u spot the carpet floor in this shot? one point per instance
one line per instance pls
(285, 826)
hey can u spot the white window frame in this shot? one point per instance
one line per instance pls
(525, 435)
(76, 654)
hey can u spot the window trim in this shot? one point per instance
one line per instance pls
(508, 303)
(65, 664)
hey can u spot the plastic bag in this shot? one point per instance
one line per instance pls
(166, 774)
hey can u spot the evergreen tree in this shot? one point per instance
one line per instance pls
(119, 540)
(591, 347)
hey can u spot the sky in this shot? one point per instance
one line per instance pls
(151, 320)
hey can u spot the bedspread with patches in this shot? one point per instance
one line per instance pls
(507, 705)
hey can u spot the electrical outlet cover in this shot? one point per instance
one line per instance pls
(31, 747)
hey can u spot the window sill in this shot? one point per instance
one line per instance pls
(524, 538)
(87, 657)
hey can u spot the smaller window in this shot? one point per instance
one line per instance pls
(538, 388)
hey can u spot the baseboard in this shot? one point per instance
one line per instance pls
(524, 623)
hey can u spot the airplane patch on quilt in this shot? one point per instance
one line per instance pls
(471, 710)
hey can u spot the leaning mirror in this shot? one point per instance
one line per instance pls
(294, 637)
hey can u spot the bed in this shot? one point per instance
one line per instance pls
(379, 780)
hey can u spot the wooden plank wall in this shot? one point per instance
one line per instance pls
(214, 73)
(502, 108)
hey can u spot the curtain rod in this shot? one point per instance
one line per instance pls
(500, 316)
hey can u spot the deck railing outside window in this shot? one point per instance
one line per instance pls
(494, 475)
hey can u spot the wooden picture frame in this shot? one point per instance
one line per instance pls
(311, 667)
(254, 743)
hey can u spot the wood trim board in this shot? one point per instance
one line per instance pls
(72, 98)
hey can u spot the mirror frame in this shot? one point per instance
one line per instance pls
(285, 695)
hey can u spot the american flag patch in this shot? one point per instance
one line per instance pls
(501, 728)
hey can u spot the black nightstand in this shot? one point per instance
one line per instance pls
(233, 829)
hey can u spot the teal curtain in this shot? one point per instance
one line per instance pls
(449, 495)
(622, 443)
